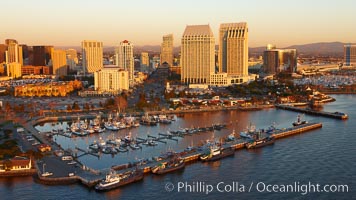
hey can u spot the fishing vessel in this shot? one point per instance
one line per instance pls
(299, 121)
(260, 142)
(113, 180)
(174, 164)
(216, 153)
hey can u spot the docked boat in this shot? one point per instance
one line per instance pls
(216, 153)
(260, 142)
(231, 136)
(135, 146)
(109, 150)
(174, 164)
(113, 180)
(94, 147)
(299, 121)
(150, 142)
(248, 132)
(127, 138)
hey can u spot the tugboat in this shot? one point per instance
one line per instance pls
(216, 153)
(260, 142)
(114, 180)
(299, 121)
(174, 164)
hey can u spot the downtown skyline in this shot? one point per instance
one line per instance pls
(67, 23)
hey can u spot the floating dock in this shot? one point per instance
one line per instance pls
(335, 115)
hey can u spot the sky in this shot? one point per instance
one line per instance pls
(144, 22)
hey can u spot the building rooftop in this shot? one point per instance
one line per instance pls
(234, 25)
(192, 30)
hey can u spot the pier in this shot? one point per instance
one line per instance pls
(296, 130)
(335, 115)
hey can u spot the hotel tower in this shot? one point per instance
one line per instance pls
(233, 49)
(92, 55)
(197, 54)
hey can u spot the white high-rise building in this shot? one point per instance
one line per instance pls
(92, 55)
(14, 70)
(233, 49)
(197, 54)
(125, 58)
(111, 79)
(14, 53)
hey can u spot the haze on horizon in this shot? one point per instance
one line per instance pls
(280, 22)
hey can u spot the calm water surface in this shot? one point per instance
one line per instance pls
(323, 156)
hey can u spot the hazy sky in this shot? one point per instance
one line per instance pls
(280, 22)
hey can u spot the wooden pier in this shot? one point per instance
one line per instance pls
(335, 115)
(86, 152)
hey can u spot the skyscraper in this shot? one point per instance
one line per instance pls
(197, 54)
(14, 70)
(14, 53)
(8, 41)
(42, 55)
(59, 62)
(2, 53)
(72, 58)
(350, 54)
(92, 55)
(145, 61)
(125, 58)
(233, 48)
(167, 49)
(279, 60)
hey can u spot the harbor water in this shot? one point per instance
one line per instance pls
(323, 156)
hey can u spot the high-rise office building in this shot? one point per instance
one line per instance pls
(3, 48)
(145, 59)
(72, 54)
(197, 54)
(25, 54)
(125, 58)
(167, 50)
(72, 58)
(350, 55)
(42, 55)
(279, 60)
(92, 56)
(233, 48)
(14, 53)
(9, 41)
(111, 79)
(14, 70)
(59, 63)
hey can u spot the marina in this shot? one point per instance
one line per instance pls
(88, 170)
(90, 177)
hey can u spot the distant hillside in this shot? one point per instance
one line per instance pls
(321, 48)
